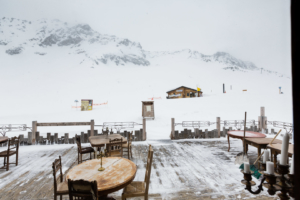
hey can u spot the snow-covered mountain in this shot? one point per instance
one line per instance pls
(95, 48)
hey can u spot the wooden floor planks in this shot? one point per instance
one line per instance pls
(179, 171)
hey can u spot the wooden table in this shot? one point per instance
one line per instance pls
(101, 140)
(3, 139)
(118, 173)
(260, 143)
(240, 135)
(276, 149)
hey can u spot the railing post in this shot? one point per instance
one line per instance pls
(92, 127)
(218, 124)
(34, 129)
(262, 119)
(172, 128)
(144, 130)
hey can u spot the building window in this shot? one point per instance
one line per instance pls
(187, 94)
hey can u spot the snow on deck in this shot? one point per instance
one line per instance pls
(185, 169)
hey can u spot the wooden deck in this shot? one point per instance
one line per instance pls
(180, 170)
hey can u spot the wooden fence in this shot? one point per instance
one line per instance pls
(66, 139)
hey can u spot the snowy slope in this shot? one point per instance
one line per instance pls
(58, 63)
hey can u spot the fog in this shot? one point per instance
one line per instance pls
(251, 30)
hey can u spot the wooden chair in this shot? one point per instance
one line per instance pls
(84, 150)
(115, 148)
(12, 148)
(60, 188)
(128, 145)
(140, 188)
(81, 189)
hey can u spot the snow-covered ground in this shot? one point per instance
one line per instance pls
(186, 169)
(43, 89)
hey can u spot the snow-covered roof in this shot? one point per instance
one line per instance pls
(180, 87)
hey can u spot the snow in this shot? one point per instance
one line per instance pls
(43, 89)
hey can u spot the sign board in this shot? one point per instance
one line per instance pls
(148, 108)
(178, 90)
(86, 104)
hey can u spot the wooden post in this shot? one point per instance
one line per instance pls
(172, 128)
(259, 123)
(34, 129)
(56, 138)
(51, 139)
(176, 135)
(37, 136)
(206, 133)
(136, 132)
(48, 136)
(85, 138)
(21, 138)
(29, 141)
(92, 127)
(144, 130)
(82, 137)
(66, 138)
(141, 135)
(262, 111)
(218, 124)
(264, 121)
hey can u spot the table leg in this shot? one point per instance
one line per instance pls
(258, 153)
(228, 142)
(275, 160)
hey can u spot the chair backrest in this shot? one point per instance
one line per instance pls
(78, 142)
(115, 147)
(148, 168)
(13, 143)
(81, 189)
(56, 166)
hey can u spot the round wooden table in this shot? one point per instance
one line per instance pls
(3, 139)
(240, 135)
(118, 173)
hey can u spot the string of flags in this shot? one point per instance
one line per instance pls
(94, 104)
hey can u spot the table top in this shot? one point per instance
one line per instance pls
(263, 140)
(101, 140)
(277, 147)
(118, 172)
(3, 139)
(248, 134)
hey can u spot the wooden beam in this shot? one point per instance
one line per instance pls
(64, 124)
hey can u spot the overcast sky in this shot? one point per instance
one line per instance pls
(251, 30)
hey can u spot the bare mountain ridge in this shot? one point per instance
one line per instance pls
(21, 35)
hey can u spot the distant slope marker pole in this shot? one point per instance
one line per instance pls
(223, 88)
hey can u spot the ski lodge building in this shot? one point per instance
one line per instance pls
(183, 92)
